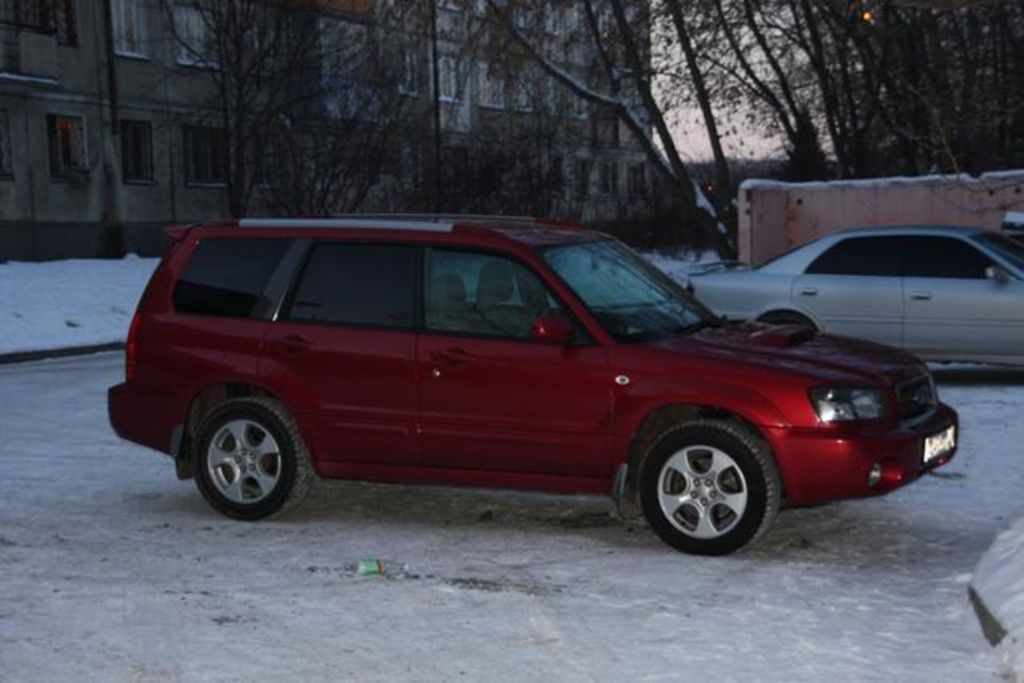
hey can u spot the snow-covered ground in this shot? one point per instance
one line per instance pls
(999, 581)
(111, 569)
(57, 304)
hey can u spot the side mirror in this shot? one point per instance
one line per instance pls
(997, 274)
(553, 327)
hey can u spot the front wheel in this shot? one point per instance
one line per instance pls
(250, 460)
(709, 487)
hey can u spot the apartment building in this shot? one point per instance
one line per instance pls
(113, 121)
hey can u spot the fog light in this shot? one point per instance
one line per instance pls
(874, 475)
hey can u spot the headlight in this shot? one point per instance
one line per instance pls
(846, 404)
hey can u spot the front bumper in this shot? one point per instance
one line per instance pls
(831, 463)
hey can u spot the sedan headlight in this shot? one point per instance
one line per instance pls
(847, 404)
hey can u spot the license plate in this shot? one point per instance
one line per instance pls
(940, 444)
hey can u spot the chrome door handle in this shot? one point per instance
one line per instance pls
(808, 291)
(921, 296)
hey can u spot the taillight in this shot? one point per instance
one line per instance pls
(131, 358)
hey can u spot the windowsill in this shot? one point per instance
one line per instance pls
(133, 56)
(211, 185)
(409, 93)
(492, 107)
(197, 65)
(447, 100)
(79, 177)
(142, 183)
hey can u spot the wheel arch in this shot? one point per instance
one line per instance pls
(204, 402)
(786, 308)
(654, 423)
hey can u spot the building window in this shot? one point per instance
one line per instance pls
(136, 151)
(491, 86)
(194, 37)
(637, 181)
(67, 23)
(409, 83)
(68, 151)
(206, 154)
(582, 178)
(6, 165)
(450, 79)
(609, 178)
(522, 96)
(129, 35)
(579, 106)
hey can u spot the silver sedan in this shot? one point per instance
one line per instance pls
(943, 293)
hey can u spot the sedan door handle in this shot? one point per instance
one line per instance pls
(921, 296)
(808, 291)
(293, 343)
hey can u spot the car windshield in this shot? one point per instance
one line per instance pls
(1005, 247)
(631, 299)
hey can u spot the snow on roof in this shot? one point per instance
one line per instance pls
(874, 183)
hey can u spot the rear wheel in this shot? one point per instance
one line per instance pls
(786, 318)
(709, 487)
(250, 460)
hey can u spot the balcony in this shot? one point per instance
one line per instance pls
(28, 45)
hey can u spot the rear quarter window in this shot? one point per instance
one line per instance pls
(226, 277)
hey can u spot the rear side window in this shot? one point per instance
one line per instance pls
(944, 257)
(226, 277)
(358, 284)
(871, 256)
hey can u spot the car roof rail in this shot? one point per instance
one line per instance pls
(350, 223)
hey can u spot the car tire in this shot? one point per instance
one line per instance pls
(787, 318)
(709, 487)
(250, 461)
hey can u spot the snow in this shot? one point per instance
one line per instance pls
(680, 264)
(1015, 218)
(57, 304)
(871, 183)
(999, 580)
(111, 569)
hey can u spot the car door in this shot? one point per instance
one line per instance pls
(345, 348)
(953, 308)
(491, 396)
(854, 289)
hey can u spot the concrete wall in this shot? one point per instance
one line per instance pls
(778, 216)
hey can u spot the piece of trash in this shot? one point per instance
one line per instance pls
(72, 323)
(371, 567)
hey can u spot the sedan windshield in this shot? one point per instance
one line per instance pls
(631, 299)
(1004, 247)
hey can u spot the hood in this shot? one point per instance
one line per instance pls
(800, 350)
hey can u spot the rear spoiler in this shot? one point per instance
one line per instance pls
(178, 233)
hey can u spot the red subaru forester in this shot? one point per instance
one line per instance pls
(503, 353)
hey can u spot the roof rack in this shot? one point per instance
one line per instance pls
(360, 223)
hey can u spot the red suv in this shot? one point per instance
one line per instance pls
(503, 353)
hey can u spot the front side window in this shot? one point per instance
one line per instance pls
(68, 152)
(206, 154)
(631, 299)
(944, 257)
(1002, 245)
(226, 277)
(358, 284)
(483, 294)
(865, 256)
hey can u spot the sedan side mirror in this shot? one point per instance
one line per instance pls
(997, 274)
(553, 327)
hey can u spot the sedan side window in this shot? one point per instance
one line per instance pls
(867, 256)
(944, 257)
(475, 293)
